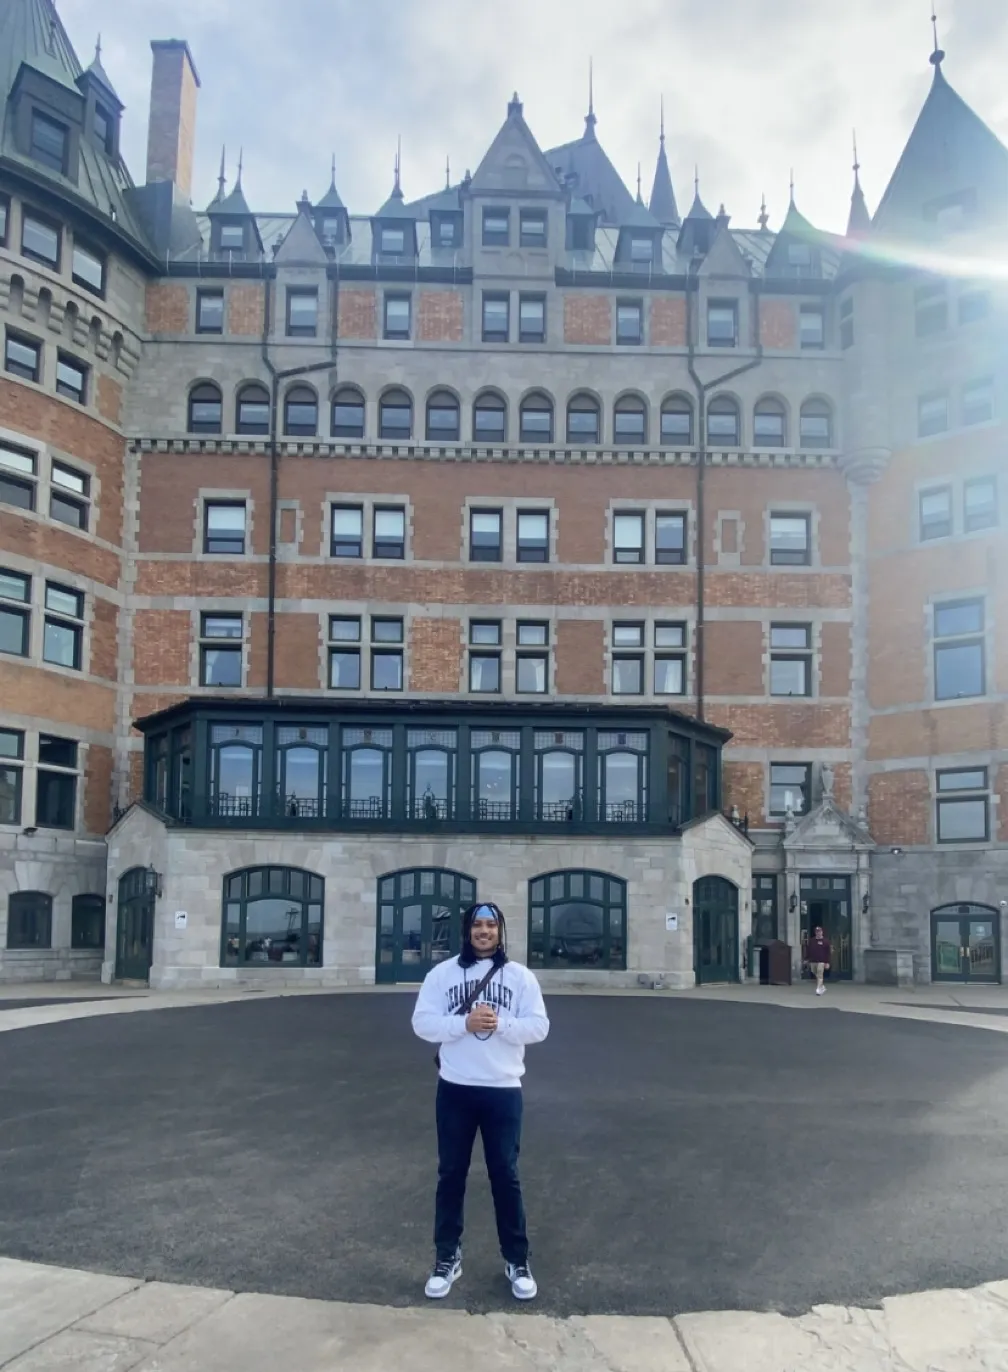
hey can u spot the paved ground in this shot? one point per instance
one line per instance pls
(682, 1154)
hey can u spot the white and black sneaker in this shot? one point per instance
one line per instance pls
(523, 1284)
(443, 1277)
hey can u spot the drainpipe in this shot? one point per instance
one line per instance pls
(702, 387)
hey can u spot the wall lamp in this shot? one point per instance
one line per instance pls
(792, 904)
(865, 903)
(153, 884)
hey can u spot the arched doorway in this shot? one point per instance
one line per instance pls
(135, 925)
(715, 930)
(419, 920)
(965, 943)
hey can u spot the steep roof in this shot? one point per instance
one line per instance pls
(859, 220)
(331, 200)
(584, 167)
(663, 202)
(101, 76)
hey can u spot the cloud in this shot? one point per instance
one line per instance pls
(750, 90)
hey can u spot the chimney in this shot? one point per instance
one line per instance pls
(171, 135)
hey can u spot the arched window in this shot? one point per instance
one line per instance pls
(302, 751)
(622, 776)
(489, 418)
(816, 424)
(367, 773)
(431, 767)
(584, 419)
(723, 427)
(442, 418)
(395, 415)
(236, 768)
(630, 422)
(536, 419)
(301, 412)
(348, 413)
(495, 756)
(206, 409)
(769, 424)
(87, 922)
(252, 411)
(420, 920)
(29, 920)
(272, 917)
(677, 421)
(559, 775)
(578, 919)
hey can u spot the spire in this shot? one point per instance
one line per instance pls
(332, 179)
(661, 135)
(938, 56)
(640, 198)
(97, 49)
(792, 199)
(222, 174)
(859, 220)
(447, 173)
(590, 120)
(663, 202)
(241, 157)
(396, 184)
(764, 218)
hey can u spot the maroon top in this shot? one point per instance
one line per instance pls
(818, 949)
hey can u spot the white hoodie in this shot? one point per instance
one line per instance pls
(468, 1060)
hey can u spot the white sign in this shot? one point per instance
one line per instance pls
(671, 921)
(181, 918)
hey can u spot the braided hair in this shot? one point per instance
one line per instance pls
(468, 956)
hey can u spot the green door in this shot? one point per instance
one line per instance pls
(134, 926)
(419, 920)
(826, 900)
(715, 930)
(965, 944)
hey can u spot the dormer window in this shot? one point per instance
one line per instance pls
(330, 229)
(393, 241)
(533, 229)
(641, 248)
(799, 255)
(232, 237)
(446, 230)
(496, 228)
(103, 127)
(952, 213)
(580, 233)
(49, 140)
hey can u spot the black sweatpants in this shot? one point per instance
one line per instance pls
(497, 1113)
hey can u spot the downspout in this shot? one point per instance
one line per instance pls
(702, 387)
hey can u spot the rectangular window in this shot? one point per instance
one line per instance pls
(446, 231)
(87, 922)
(221, 649)
(64, 626)
(88, 269)
(302, 312)
(974, 304)
(847, 322)
(627, 668)
(790, 786)
(532, 318)
(959, 650)
(670, 666)
(103, 127)
(56, 790)
(533, 229)
(23, 357)
(15, 591)
(799, 255)
(386, 663)
(670, 538)
(641, 249)
(629, 322)
(936, 513)
(963, 806)
(347, 531)
(496, 228)
(496, 318)
(393, 242)
(790, 540)
(978, 402)
(930, 309)
(344, 653)
(397, 316)
(40, 239)
(71, 378)
(4, 219)
(722, 324)
(485, 535)
(68, 496)
(628, 538)
(980, 506)
(812, 326)
(17, 477)
(389, 532)
(49, 141)
(224, 527)
(11, 753)
(209, 311)
(484, 665)
(532, 668)
(790, 659)
(232, 237)
(533, 536)
(932, 414)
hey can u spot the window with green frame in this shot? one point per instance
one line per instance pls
(302, 751)
(705, 779)
(577, 919)
(559, 775)
(272, 917)
(622, 776)
(367, 773)
(495, 755)
(432, 756)
(235, 770)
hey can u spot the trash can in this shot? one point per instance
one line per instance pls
(778, 963)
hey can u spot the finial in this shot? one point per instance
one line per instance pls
(764, 218)
(447, 174)
(661, 136)
(590, 120)
(397, 188)
(792, 185)
(241, 155)
(638, 184)
(696, 179)
(222, 176)
(97, 49)
(332, 179)
(938, 56)
(857, 164)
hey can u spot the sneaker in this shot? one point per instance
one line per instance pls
(820, 990)
(444, 1276)
(523, 1284)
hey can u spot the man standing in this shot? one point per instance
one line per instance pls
(818, 954)
(482, 1010)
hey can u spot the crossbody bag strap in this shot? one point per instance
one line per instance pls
(476, 992)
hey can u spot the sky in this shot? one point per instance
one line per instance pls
(752, 89)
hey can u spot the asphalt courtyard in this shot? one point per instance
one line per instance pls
(679, 1154)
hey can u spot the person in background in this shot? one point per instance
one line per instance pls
(482, 1010)
(818, 954)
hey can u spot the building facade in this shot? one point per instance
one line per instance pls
(521, 541)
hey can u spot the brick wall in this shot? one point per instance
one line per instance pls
(439, 317)
(836, 659)
(778, 323)
(357, 313)
(109, 397)
(580, 657)
(780, 725)
(435, 656)
(161, 646)
(167, 307)
(98, 789)
(296, 656)
(104, 632)
(780, 590)
(916, 733)
(135, 782)
(63, 699)
(733, 660)
(668, 321)
(742, 785)
(245, 310)
(587, 318)
(1001, 790)
(55, 546)
(899, 807)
